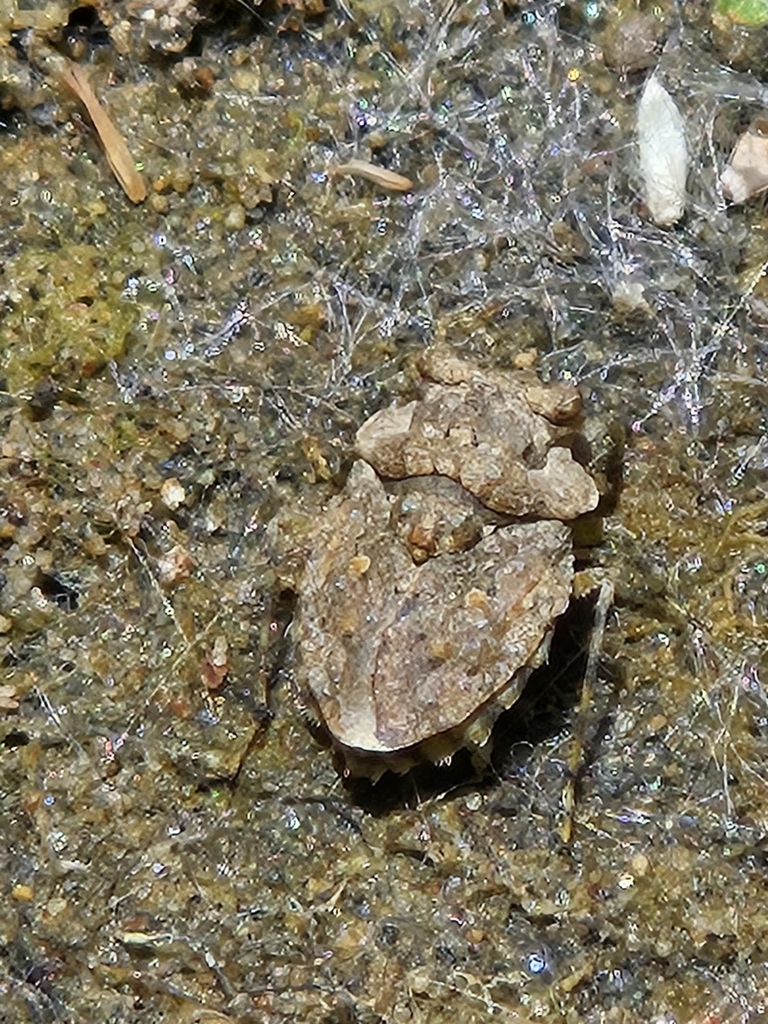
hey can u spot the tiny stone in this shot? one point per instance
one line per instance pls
(360, 564)
(174, 566)
(220, 651)
(172, 494)
(181, 181)
(526, 359)
(234, 218)
(640, 864)
(246, 79)
(56, 906)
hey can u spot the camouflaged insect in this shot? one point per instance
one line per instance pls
(424, 604)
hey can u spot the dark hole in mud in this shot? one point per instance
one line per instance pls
(11, 118)
(15, 738)
(56, 590)
(83, 31)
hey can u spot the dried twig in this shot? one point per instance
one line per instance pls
(378, 175)
(112, 140)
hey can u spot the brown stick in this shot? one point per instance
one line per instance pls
(112, 140)
(378, 175)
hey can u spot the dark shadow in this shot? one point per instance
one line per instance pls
(57, 591)
(553, 690)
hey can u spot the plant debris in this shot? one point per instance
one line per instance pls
(112, 140)
(663, 153)
(380, 176)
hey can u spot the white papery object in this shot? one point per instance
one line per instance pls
(663, 153)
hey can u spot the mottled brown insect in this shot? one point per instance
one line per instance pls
(424, 604)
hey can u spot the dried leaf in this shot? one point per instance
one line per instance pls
(663, 153)
(378, 175)
(747, 172)
(112, 140)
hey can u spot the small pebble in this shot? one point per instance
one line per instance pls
(234, 219)
(174, 566)
(172, 494)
